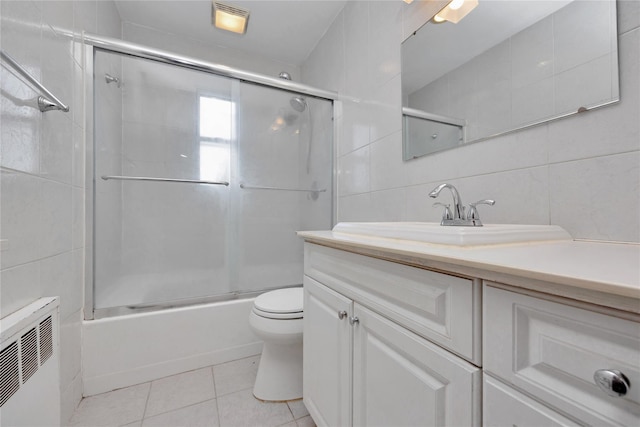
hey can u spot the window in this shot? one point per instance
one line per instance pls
(215, 136)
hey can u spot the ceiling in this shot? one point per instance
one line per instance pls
(286, 30)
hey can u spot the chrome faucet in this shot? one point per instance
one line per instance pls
(458, 217)
(458, 208)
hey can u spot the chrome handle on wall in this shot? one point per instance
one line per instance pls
(353, 320)
(342, 314)
(611, 381)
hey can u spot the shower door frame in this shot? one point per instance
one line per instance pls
(91, 43)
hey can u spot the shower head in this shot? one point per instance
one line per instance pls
(298, 103)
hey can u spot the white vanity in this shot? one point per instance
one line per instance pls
(400, 332)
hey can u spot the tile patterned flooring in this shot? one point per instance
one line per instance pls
(216, 396)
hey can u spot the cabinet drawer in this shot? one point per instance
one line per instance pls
(504, 406)
(552, 351)
(443, 308)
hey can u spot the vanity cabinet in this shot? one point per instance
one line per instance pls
(364, 362)
(392, 344)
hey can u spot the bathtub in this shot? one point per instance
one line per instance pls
(135, 348)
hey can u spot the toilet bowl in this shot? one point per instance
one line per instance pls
(276, 318)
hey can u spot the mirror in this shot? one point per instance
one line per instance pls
(505, 66)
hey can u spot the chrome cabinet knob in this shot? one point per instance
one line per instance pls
(612, 382)
(342, 314)
(353, 320)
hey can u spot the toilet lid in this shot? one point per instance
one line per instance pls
(280, 301)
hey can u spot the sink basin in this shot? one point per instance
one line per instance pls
(431, 232)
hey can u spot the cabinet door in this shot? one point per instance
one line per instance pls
(401, 379)
(327, 355)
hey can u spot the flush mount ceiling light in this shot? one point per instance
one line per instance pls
(229, 18)
(455, 11)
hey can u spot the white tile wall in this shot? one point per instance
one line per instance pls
(550, 174)
(597, 196)
(42, 167)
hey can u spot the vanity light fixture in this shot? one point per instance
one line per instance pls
(229, 18)
(455, 11)
(408, 1)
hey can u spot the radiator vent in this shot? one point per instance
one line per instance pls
(22, 358)
(46, 339)
(35, 345)
(9, 372)
(29, 354)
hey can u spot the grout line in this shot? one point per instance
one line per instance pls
(175, 409)
(213, 379)
(146, 403)
(41, 259)
(235, 391)
(215, 393)
(290, 411)
(181, 408)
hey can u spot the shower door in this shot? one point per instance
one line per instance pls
(284, 173)
(200, 183)
(160, 235)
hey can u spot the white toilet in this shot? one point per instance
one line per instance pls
(276, 319)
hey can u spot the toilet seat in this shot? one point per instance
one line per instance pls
(280, 304)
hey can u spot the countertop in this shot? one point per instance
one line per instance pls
(602, 273)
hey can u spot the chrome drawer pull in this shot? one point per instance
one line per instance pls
(353, 320)
(612, 382)
(342, 314)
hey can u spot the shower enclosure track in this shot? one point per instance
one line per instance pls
(127, 48)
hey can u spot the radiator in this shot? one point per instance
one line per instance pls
(30, 365)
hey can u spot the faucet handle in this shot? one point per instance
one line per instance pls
(473, 212)
(447, 212)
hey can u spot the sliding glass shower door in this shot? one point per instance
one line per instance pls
(200, 184)
(284, 174)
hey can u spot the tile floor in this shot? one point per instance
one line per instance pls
(220, 396)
